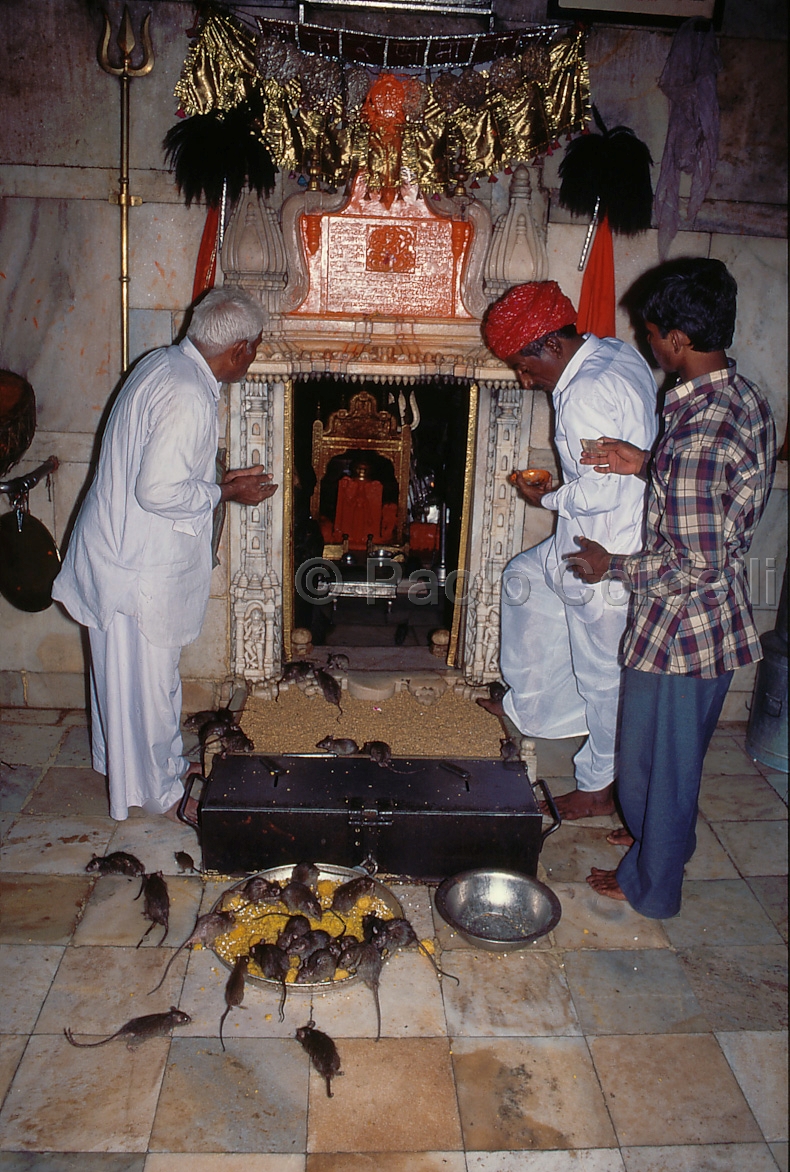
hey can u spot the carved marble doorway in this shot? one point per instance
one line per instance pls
(411, 583)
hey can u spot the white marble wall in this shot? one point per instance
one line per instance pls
(59, 268)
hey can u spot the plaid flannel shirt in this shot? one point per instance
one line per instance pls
(709, 482)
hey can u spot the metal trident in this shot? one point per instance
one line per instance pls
(125, 72)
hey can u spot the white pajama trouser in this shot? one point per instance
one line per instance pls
(560, 661)
(135, 718)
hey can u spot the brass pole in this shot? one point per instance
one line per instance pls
(126, 43)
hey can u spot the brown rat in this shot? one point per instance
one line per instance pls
(234, 990)
(339, 746)
(390, 935)
(185, 862)
(206, 930)
(151, 1025)
(156, 903)
(118, 863)
(345, 896)
(322, 1052)
(273, 963)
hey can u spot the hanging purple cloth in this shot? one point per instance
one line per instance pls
(692, 144)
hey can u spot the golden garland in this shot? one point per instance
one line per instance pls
(454, 127)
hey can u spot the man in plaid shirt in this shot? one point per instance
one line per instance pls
(690, 623)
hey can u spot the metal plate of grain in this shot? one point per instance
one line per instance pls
(327, 871)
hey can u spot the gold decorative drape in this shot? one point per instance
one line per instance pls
(455, 126)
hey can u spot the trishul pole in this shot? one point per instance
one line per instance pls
(125, 72)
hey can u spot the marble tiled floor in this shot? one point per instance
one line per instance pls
(617, 1044)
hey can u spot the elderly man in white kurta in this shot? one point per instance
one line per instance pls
(138, 566)
(560, 639)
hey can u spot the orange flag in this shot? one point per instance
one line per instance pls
(596, 299)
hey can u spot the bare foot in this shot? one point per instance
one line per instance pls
(620, 837)
(190, 812)
(492, 706)
(580, 803)
(605, 883)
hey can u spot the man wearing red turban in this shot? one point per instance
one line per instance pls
(559, 638)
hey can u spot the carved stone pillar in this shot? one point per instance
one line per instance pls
(497, 529)
(256, 539)
(253, 253)
(518, 245)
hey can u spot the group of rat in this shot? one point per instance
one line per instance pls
(624, 627)
(320, 953)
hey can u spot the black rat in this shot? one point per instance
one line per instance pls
(306, 873)
(365, 961)
(318, 966)
(234, 989)
(206, 930)
(339, 746)
(294, 926)
(321, 1051)
(298, 897)
(260, 890)
(273, 963)
(151, 1025)
(118, 863)
(381, 753)
(156, 903)
(330, 688)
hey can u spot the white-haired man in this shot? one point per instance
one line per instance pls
(138, 566)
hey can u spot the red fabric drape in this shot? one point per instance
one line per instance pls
(596, 300)
(206, 267)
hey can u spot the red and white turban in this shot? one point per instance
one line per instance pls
(524, 314)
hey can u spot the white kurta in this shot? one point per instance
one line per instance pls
(560, 638)
(137, 571)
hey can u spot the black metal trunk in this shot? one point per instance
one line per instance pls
(437, 820)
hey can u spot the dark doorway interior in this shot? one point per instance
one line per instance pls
(438, 414)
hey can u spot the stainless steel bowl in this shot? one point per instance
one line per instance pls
(326, 871)
(500, 911)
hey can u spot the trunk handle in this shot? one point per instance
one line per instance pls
(555, 814)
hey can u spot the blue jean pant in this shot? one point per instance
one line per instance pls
(666, 723)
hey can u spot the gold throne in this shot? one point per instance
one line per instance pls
(363, 428)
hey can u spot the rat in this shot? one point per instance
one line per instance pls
(497, 691)
(381, 753)
(118, 863)
(260, 890)
(304, 946)
(389, 935)
(273, 963)
(195, 722)
(234, 989)
(365, 960)
(509, 749)
(339, 746)
(156, 902)
(296, 670)
(306, 873)
(337, 662)
(185, 862)
(298, 897)
(321, 1051)
(345, 896)
(330, 688)
(319, 966)
(206, 930)
(294, 926)
(152, 1025)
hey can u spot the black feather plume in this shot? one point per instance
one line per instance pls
(613, 166)
(208, 150)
